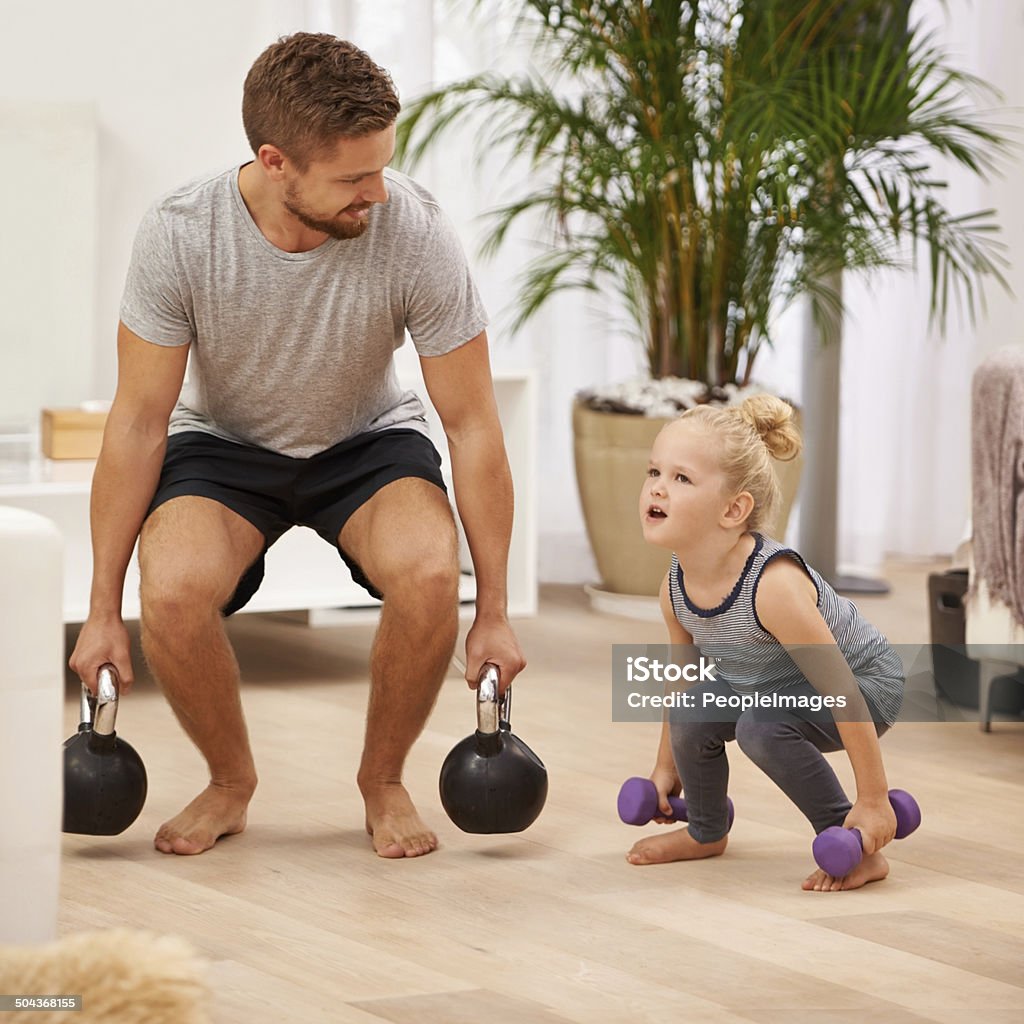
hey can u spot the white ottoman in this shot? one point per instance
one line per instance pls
(31, 717)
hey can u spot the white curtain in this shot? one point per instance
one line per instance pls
(905, 425)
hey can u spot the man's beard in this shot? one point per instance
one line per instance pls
(335, 227)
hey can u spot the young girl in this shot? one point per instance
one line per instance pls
(772, 626)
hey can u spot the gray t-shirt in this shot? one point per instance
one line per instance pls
(295, 351)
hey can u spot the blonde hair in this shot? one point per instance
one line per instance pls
(748, 437)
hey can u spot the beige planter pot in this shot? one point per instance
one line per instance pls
(611, 458)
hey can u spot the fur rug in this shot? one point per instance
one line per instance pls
(123, 977)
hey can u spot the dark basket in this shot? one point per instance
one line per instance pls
(956, 675)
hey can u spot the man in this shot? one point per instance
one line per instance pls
(288, 283)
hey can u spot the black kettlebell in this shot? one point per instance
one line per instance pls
(492, 781)
(104, 777)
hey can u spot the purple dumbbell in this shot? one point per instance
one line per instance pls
(838, 850)
(638, 803)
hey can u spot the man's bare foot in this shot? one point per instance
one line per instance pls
(217, 811)
(393, 822)
(675, 845)
(870, 869)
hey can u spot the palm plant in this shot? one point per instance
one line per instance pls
(713, 160)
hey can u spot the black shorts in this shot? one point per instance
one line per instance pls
(276, 492)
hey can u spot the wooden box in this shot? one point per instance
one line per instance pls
(72, 433)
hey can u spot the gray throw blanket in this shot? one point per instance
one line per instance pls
(997, 476)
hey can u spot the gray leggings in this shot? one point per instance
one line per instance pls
(787, 745)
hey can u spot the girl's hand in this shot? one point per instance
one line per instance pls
(876, 821)
(667, 783)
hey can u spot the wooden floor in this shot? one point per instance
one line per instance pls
(300, 922)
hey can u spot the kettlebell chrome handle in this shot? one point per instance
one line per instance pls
(491, 710)
(100, 711)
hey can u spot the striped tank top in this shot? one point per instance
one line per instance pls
(749, 658)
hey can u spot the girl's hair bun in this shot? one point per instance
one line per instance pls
(772, 420)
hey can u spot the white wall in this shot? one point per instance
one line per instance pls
(166, 84)
(47, 266)
(994, 33)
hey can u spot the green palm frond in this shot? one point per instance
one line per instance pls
(714, 160)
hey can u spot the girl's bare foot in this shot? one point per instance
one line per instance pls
(870, 869)
(217, 811)
(675, 845)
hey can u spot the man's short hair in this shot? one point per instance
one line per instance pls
(310, 89)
